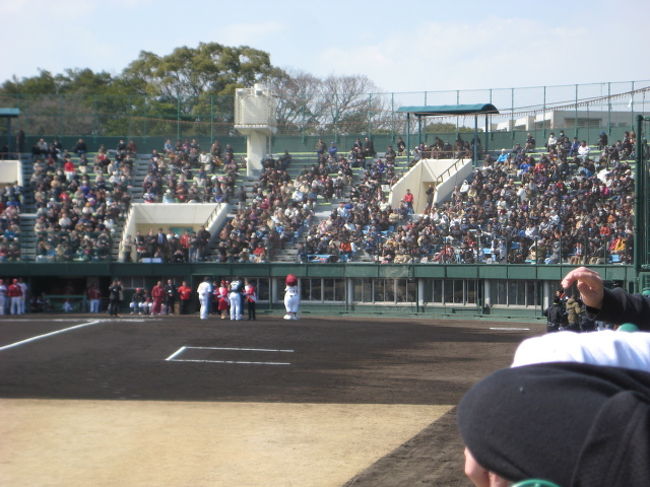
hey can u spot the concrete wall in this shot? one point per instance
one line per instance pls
(145, 216)
(10, 172)
(445, 174)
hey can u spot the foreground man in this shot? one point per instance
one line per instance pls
(576, 412)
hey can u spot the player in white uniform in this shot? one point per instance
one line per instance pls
(234, 298)
(291, 297)
(205, 293)
(3, 297)
(23, 297)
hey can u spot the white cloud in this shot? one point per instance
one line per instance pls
(487, 53)
(249, 33)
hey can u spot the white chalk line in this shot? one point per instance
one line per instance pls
(230, 362)
(242, 349)
(72, 320)
(46, 335)
(498, 328)
(172, 357)
(177, 352)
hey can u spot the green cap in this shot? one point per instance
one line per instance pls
(535, 483)
(628, 327)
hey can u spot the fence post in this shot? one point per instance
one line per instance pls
(576, 112)
(178, 118)
(211, 120)
(609, 109)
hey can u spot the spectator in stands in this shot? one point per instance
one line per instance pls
(551, 143)
(68, 200)
(11, 197)
(80, 147)
(430, 192)
(401, 146)
(368, 147)
(69, 169)
(530, 143)
(503, 157)
(408, 200)
(320, 147)
(583, 150)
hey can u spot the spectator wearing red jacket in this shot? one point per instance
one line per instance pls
(408, 200)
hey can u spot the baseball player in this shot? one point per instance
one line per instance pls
(205, 292)
(291, 297)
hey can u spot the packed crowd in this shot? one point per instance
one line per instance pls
(358, 224)
(278, 211)
(77, 211)
(182, 173)
(11, 196)
(568, 204)
(571, 203)
(523, 209)
(167, 246)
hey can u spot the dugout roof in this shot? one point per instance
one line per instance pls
(433, 110)
(9, 112)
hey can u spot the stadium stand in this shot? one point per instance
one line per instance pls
(551, 204)
(11, 198)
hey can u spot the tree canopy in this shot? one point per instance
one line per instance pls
(193, 85)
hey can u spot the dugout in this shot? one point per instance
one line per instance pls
(470, 291)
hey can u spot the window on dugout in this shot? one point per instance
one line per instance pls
(322, 290)
(393, 291)
(514, 292)
(451, 291)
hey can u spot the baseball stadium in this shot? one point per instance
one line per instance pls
(428, 233)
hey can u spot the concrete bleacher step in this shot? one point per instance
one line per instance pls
(28, 237)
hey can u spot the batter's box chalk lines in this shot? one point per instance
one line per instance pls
(46, 335)
(174, 357)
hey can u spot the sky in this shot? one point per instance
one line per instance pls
(401, 46)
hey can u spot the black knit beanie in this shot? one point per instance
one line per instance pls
(537, 420)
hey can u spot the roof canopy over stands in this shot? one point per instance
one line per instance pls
(453, 110)
(437, 110)
(8, 114)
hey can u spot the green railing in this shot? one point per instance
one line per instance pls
(581, 110)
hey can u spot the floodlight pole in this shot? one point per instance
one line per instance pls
(475, 141)
(408, 138)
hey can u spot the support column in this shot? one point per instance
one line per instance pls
(256, 150)
(421, 294)
(273, 292)
(349, 293)
(546, 295)
(486, 294)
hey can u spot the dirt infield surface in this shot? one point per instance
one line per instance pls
(85, 400)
